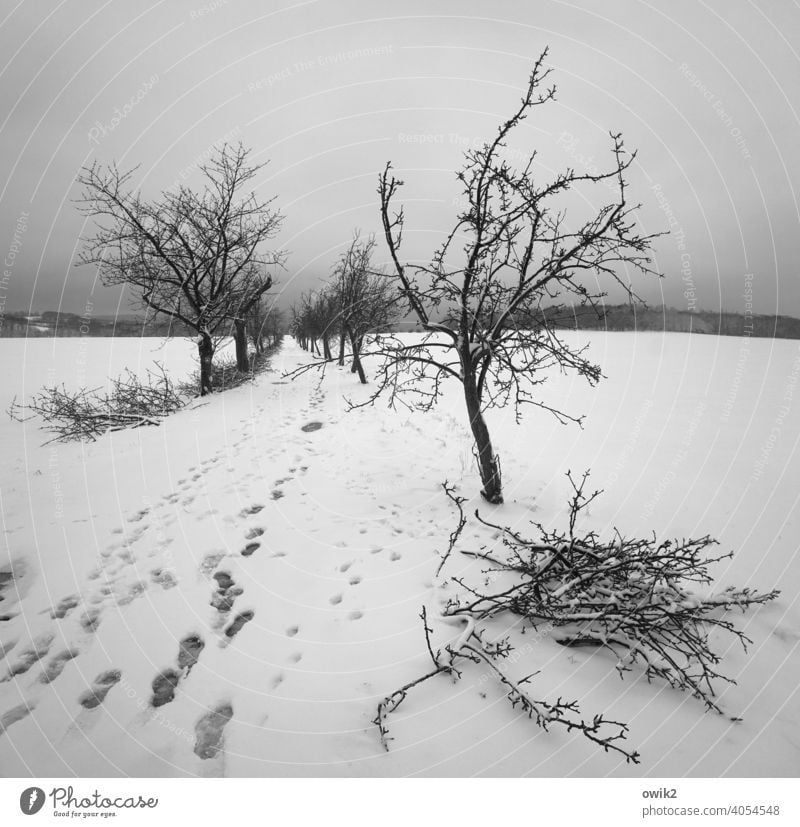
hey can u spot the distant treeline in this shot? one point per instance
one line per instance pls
(637, 317)
(53, 323)
(612, 317)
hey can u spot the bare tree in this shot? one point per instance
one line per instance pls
(196, 257)
(266, 323)
(356, 303)
(243, 300)
(315, 319)
(366, 299)
(478, 301)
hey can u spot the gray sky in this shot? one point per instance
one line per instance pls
(329, 90)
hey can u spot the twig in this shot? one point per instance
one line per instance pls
(456, 532)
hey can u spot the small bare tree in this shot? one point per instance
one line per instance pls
(478, 301)
(366, 299)
(356, 303)
(266, 324)
(196, 257)
(315, 320)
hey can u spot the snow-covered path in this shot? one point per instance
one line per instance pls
(270, 512)
(232, 593)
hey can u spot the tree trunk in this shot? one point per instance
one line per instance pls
(357, 367)
(240, 337)
(205, 348)
(326, 348)
(487, 461)
(342, 336)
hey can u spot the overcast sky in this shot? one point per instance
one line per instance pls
(328, 90)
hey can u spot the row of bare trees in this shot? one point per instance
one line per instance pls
(357, 302)
(196, 256)
(199, 257)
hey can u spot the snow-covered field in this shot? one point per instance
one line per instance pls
(323, 546)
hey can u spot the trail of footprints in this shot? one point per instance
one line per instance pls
(354, 580)
(118, 557)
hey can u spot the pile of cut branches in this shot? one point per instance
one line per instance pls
(650, 603)
(87, 414)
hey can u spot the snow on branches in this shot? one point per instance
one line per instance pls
(650, 603)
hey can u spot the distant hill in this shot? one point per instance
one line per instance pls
(638, 317)
(620, 317)
(623, 317)
(55, 323)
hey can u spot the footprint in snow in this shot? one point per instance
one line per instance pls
(209, 731)
(277, 494)
(311, 426)
(210, 562)
(164, 685)
(253, 509)
(188, 653)
(164, 578)
(355, 615)
(224, 580)
(355, 580)
(238, 622)
(13, 715)
(335, 600)
(225, 595)
(5, 648)
(276, 681)
(254, 532)
(65, 606)
(30, 656)
(395, 556)
(90, 620)
(295, 657)
(56, 665)
(250, 548)
(292, 631)
(345, 566)
(134, 591)
(101, 686)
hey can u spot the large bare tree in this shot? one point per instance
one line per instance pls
(511, 252)
(195, 256)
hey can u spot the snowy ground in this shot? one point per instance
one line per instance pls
(318, 548)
